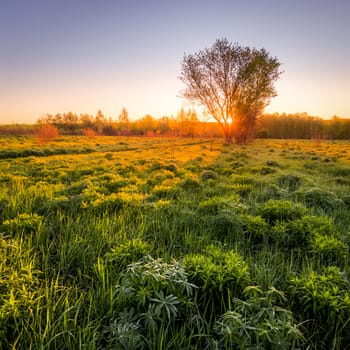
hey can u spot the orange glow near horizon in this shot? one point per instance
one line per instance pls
(31, 103)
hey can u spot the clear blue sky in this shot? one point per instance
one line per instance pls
(85, 55)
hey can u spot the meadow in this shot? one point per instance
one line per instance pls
(156, 243)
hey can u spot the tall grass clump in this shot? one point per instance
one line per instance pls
(23, 224)
(291, 182)
(281, 210)
(219, 275)
(322, 301)
(300, 232)
(256, 229)
(19, 293)
(320, 198)
(120, 256)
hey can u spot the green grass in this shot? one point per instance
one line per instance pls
(140, 243)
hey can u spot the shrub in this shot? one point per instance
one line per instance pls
(339, 171)
(328, 248)
(71, 204)
(3, 205)
(317, 224)
(216, 204)
(209, 175)
(165, 191)
(114, 202)
(190, 183)
(225, 225)
(109, 156)
(26, 223)
(279, 234)
(119, 257)
(281, 210)
(101, 203)
(46, 133)
(218, 274)
(76, 188)
(300, 232)
(156, 166)
(346, 200)
(115, 183)
(317, 197)
(241, 188)
(171, 167)
(236, 165)
(272, 162)
(323, 299)
(160, 175)
(270, 191)
(267, 170)
(255, 229)
(241, 179)
(290, 181)
(90, 133)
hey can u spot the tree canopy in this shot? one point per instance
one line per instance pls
(233, 83)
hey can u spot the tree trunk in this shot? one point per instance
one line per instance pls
(228, 133)
(244, 129)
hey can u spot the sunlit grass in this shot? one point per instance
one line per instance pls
(189, 215)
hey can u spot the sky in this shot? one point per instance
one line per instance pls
(83, 56)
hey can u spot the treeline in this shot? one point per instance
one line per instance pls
(185, 124)
(302, 126)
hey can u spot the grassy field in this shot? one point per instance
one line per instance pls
(141, 243)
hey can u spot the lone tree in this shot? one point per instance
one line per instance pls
(233, 83)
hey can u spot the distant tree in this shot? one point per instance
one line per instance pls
(70, 118)
(164, 125)
(147, 125)
(233, 83)
(181, 119)
(100, 117)
(58, 118)
(187, 122)
(86, 120)
(123, 117)
(46, 119)
(123, 121)
(99, 121)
